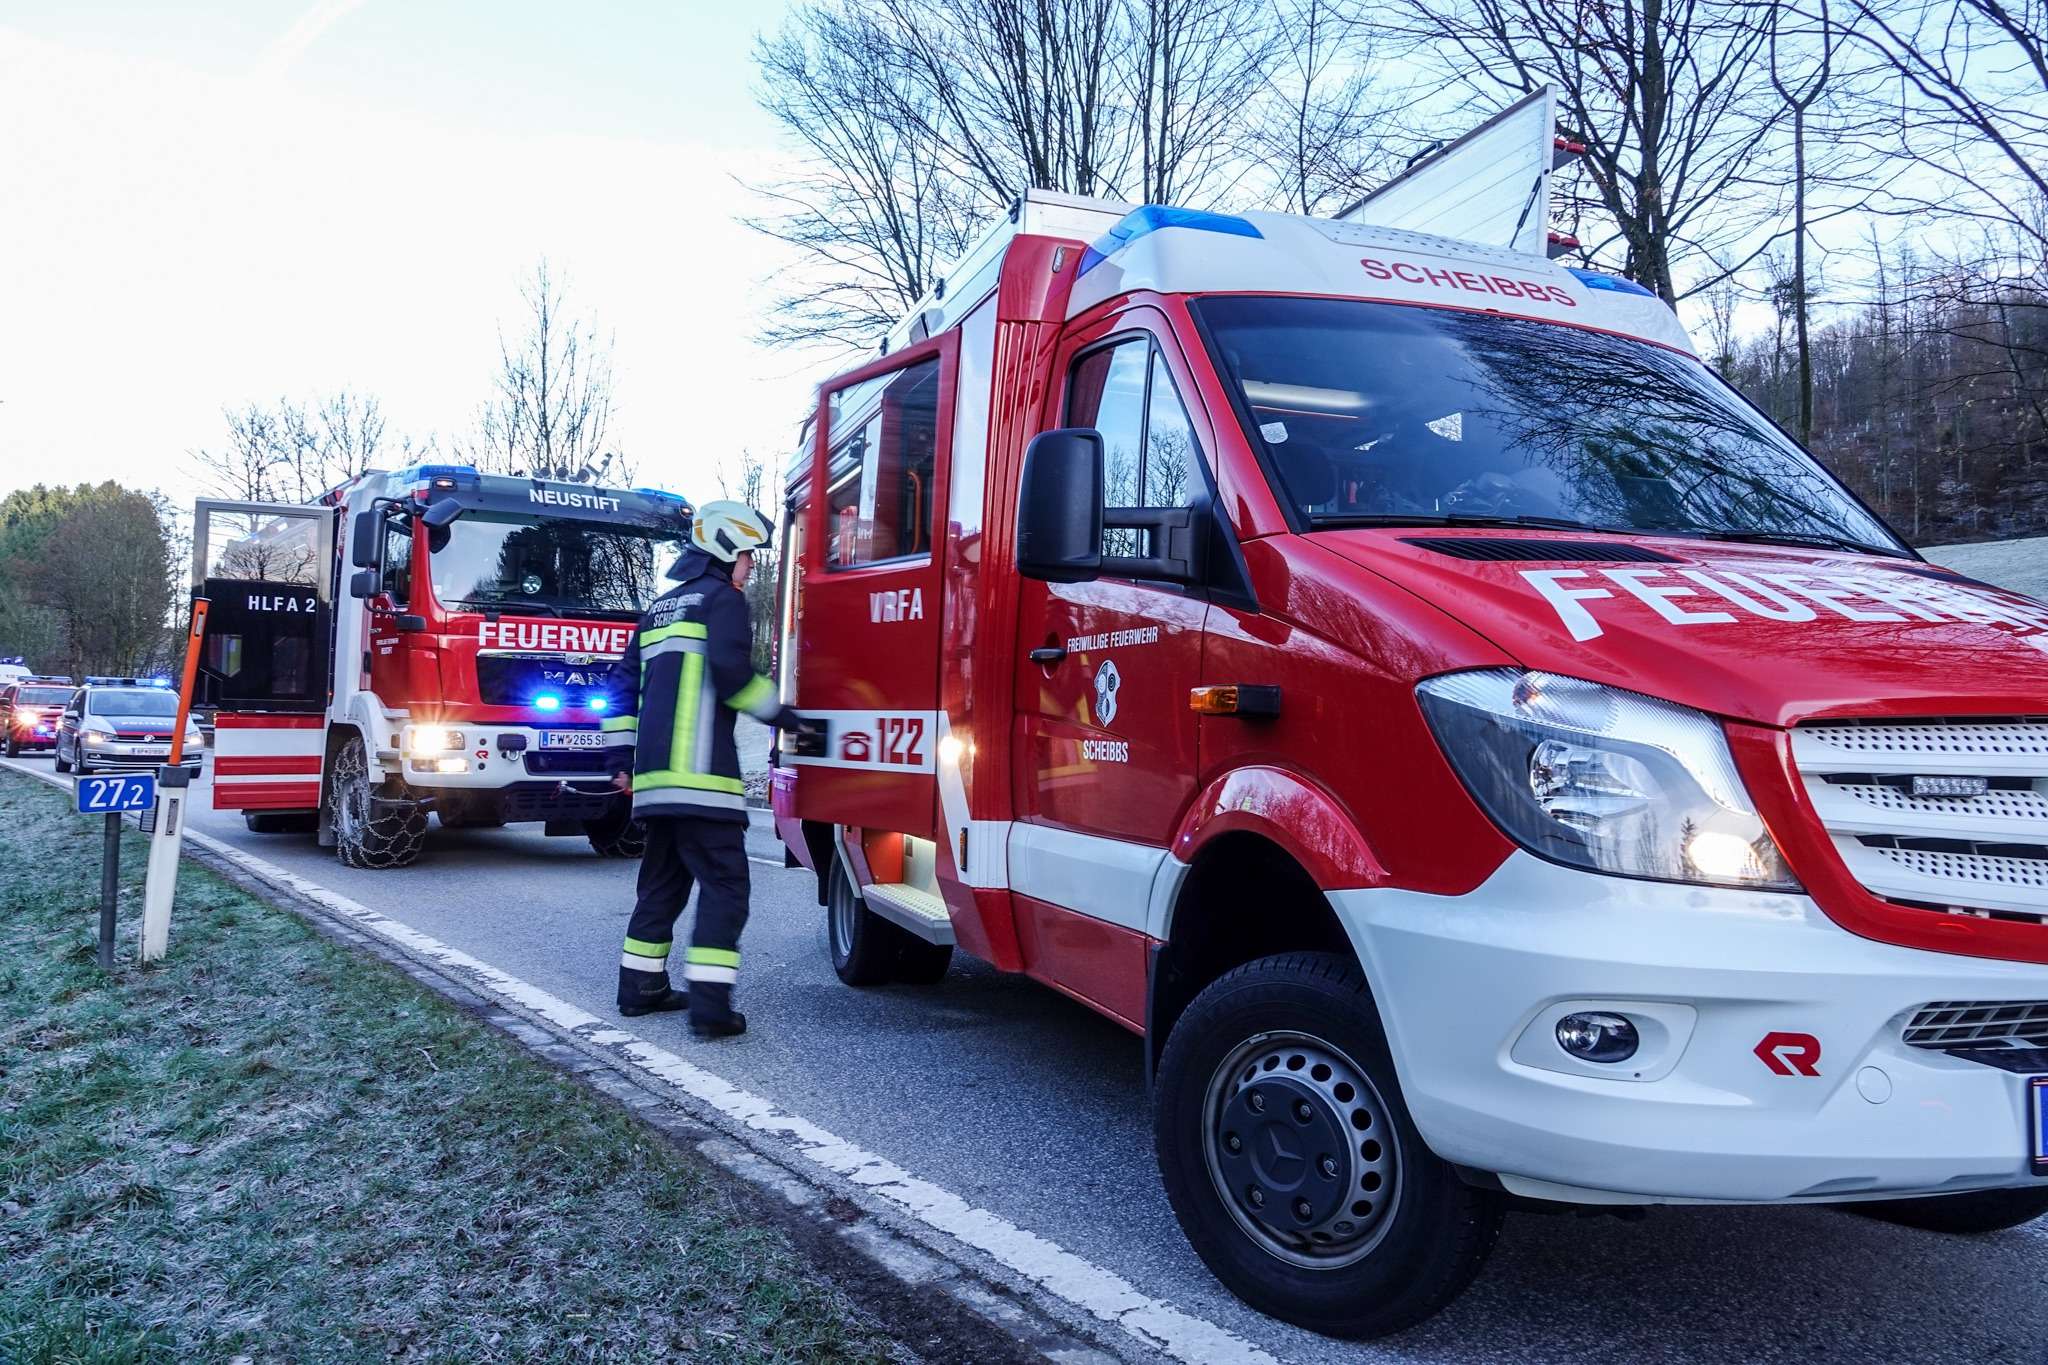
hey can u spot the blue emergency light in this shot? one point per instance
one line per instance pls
(547, 701)
(598, 704)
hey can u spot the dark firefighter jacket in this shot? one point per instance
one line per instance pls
(687, 671)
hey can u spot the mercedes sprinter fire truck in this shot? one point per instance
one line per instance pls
(1486, 761)
(458, 665)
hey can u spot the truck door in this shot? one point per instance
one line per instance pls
(268, 572)
(1106, 759)
(868, 591)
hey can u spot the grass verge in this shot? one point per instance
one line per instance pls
(270, 1148)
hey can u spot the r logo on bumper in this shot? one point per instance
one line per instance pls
(1790, 1054)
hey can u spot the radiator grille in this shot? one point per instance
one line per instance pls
(1980, 854)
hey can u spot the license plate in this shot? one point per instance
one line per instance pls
(571, 739)
(2037, 1122)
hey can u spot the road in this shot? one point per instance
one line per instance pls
(1032, 1107)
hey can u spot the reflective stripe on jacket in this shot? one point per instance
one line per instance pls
(687, 671)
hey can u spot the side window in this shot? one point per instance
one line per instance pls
(1126, 392)
(1108, 393)
(398, 561)
(879, 503)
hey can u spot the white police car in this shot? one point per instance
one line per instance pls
(123, 723)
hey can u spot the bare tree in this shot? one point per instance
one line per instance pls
(1969, 105)
(872, 202)
(1325, 137)
(293, 451)
(1194, 67)
(1799, 94)
(1670, 97)
(550, 414)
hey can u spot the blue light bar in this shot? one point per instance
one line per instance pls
(598, 704)
(547, 701)
(1594, 279)
(1150, 218)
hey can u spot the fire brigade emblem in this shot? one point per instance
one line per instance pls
(1107, 681)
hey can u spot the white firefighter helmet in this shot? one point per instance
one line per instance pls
(725, 530)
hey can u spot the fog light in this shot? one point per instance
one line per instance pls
(1598, 1037)
(461, 765)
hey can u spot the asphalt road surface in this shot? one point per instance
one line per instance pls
(1032, 1107)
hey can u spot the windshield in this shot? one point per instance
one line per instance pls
(552, 568)
(131, 701)
(43, 696)
(1373, 412)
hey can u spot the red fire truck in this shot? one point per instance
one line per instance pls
(1486, 761)
(458, 665)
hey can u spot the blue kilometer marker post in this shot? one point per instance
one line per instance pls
(110, 795)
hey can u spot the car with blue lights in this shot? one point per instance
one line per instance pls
(29, 708)
(123, 725)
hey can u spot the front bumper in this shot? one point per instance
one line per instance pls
(1470, 988)
(496, 756)
(137, 756)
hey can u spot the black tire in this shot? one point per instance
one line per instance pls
(618, 835)
(57, 757)
(1348, 1225)
(1960, 1215)
(13, 746)
(370, 832)
(864, 945)
(919, 963)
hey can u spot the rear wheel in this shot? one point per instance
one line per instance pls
(369, 830)
(1962, 1215)
(1291, 1161)
(864, 945)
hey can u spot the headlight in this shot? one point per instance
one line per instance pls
(435, 739)
(95, 737)
(1603, 779)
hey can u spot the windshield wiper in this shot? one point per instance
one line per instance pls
(524, 608)
(1463, 519)
(1819, 540)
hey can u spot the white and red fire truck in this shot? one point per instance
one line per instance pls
(1485, 760)
(457, 666)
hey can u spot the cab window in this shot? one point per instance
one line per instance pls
(1125, 392)
(881, 475)
(398, 561)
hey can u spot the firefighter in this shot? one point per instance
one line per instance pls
(687, 671)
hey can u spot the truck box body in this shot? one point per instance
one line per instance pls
(1446, 524)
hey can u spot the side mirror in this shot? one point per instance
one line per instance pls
(1059, 507)
(363, 583)
(440, 512)
(364, 537)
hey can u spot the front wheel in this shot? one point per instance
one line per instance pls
(14, 746)
(1292, 1164)
(1961, 1215)
(369, 830)
(63, 763)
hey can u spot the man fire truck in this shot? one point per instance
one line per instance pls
(1485, 760)
(458, 665)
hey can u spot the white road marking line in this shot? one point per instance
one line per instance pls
(1098, 1292)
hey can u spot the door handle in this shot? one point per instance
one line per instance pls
(1048, 654)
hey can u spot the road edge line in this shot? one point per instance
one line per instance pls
(1086, 1298)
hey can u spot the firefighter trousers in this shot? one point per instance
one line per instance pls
(683, 852)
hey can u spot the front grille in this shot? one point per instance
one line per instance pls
(515, 679)
(1984, 854)
(1979, 1023)
(561, 761)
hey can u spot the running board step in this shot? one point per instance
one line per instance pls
(911, 907)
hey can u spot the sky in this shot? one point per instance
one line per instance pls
(210, 205)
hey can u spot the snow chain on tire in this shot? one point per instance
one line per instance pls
(370, 832)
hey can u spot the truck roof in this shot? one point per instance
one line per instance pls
(518, 494)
